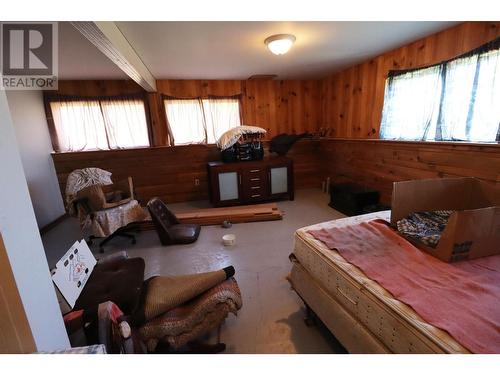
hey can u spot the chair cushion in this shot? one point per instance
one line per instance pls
(184, 233)
(119, 281)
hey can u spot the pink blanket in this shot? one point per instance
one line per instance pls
(462, 298)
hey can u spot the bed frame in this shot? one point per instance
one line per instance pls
(363, 324)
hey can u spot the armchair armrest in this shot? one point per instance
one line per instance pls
(125, 185)
(116, 204)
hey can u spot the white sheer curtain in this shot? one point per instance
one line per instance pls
(220, 116)
(186, 120)
(454, 101)
(79, 125)
(85, 125)
(471, 98)
(126, 124)
(201, 120)
(411, 105)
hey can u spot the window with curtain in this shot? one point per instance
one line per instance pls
(99, 124)
(457, 100)
(201, 120)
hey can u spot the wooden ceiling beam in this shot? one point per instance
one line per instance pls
(108, 38)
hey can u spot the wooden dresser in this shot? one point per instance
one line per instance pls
(248, 182)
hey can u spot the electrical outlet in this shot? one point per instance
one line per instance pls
(196, 182)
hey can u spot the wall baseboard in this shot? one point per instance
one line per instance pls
(53, 223)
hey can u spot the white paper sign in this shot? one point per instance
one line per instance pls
(73, 270)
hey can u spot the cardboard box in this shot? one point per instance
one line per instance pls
(473, 230)
(73, 270)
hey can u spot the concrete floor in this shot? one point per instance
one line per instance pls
(271, 319)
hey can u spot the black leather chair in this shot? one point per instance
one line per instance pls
(168, 227)
(120, 279)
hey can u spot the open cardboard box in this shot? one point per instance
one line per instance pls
(473, 230)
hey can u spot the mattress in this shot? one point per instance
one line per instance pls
(395, 325)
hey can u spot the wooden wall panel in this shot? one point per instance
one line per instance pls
(170, 172)
(378, 163)
(96, 87)
(291, 106)
(196, 88)
(348, 102)
(352, 99)
(15, 332)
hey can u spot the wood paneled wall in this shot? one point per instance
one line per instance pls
(352, 99)
(170, 172)
(352, 102)
(349, 102)
(291, 106)
(378, 163)
(15, 332)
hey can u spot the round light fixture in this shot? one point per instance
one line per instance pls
(280, 44)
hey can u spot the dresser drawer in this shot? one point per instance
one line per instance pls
(255, 192)
(254, 177)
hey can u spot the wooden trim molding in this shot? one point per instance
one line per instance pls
(15, 332)
(53, 223)
(50, 122)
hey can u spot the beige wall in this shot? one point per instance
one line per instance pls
(33, 139)
(23, 243)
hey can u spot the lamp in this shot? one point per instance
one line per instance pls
(280, 44)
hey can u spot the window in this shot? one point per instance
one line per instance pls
(99, 124)
(201, 120)
(457, 100)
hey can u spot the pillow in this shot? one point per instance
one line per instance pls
(230, 137)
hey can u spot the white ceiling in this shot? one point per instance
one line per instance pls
(236, 50)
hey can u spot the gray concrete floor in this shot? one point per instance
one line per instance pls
(271, 319)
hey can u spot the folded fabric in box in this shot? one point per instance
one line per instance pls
(424, 227)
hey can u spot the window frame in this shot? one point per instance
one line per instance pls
(49, 98)
(492, 45)
(164, 97)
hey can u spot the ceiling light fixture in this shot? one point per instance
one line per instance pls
(280, 44)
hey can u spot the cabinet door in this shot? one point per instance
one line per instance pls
(229, 183)
(279, 180)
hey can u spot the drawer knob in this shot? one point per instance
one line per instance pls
(255, 179)
(254, 170)
(255, 195)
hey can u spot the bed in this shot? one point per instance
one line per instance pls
(360, 313)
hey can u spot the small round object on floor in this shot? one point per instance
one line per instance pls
(226, 224)
(229, 239)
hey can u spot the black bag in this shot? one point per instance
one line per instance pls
(257, 151)
(229, 155)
